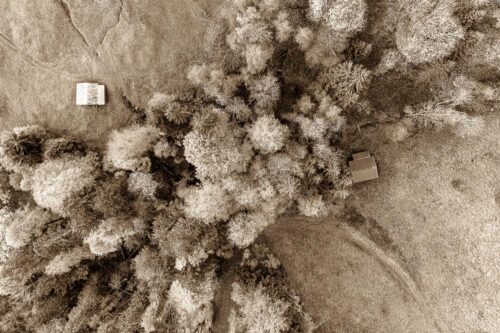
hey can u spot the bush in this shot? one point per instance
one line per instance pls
(22, 147)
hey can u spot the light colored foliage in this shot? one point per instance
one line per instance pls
(160, 100)
(346, 15)
(428, 32)
(251, 29)
(194, 303)
(216, 152)
(390, 59)
(439, 115)
(283, 27)
(314, 128)
(244, 228)
(304, 38)
(265, 93)
(347, 81)
(316, 8)
(305, 104)
(343, 16)
(164, 149)
(313, 206)
(258, 312)
(147, 265)
(57, 184)
(209, 203)
(24, 224)
(257, 57)
(215, 83)
(127, 148)
(142, 184)
(65, 261)
(110, 235)
(267, 134)
(239, 109)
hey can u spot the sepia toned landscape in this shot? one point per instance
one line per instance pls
(212, 192)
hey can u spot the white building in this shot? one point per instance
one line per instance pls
(90, 94)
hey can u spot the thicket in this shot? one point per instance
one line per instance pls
(134, 238)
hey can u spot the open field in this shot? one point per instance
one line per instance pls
(434, 214)
(139, 48)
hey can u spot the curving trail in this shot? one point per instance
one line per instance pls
(347, 281)
(393, 268)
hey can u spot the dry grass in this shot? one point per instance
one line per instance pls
(433, 211)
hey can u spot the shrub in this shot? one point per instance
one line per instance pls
(22, 147)
(215, 83)
(313, 206)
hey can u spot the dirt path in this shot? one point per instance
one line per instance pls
(347, 282)
(222, 301)
(393, 268)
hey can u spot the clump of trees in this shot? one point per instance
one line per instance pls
(134, 237)
(263, 302)
(436, 49)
